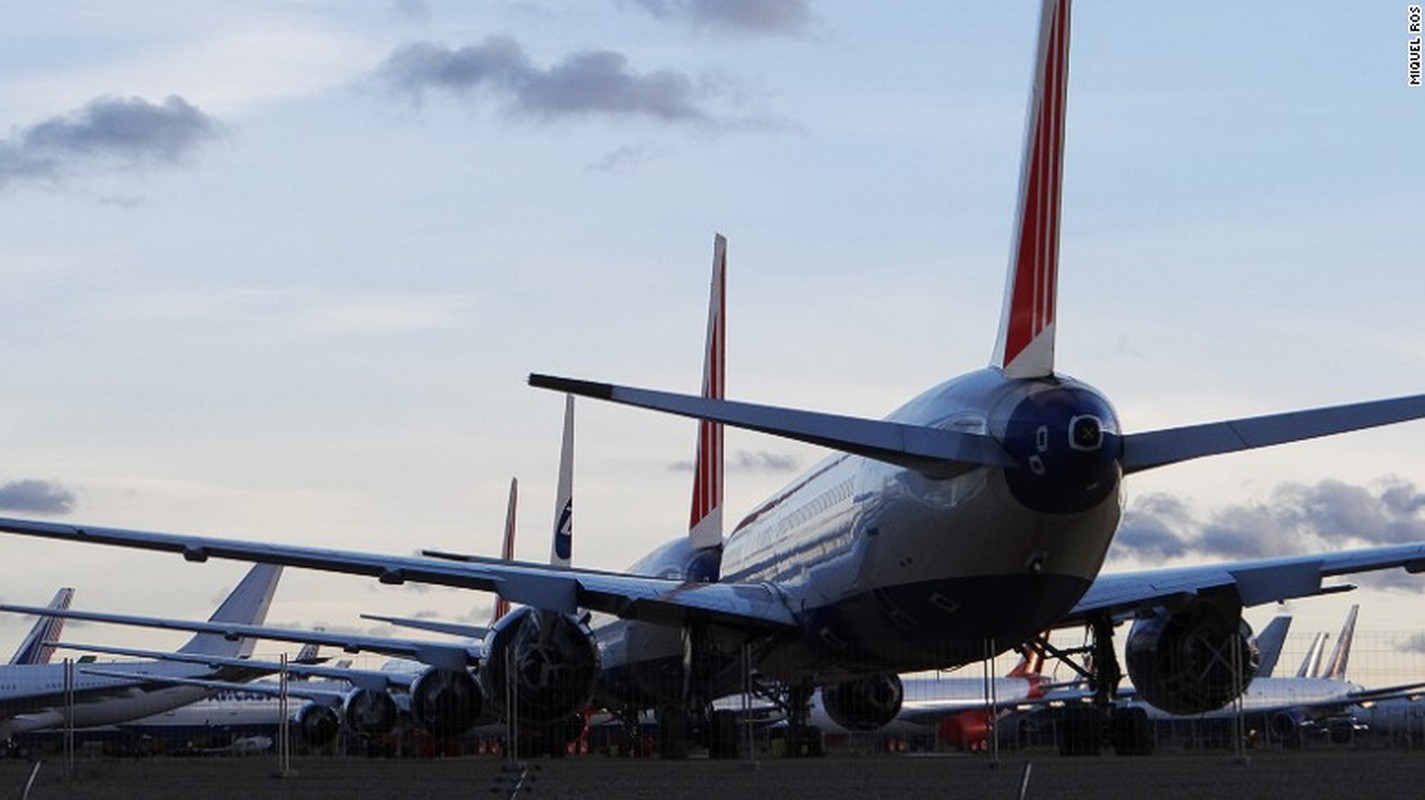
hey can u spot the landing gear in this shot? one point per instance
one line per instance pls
(1085, 728)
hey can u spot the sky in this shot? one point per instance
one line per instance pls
(279, 271)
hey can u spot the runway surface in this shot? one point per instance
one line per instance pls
(1310, 773)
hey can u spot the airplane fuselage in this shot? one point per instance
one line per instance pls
(889, 569)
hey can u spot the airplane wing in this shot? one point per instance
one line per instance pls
(755, 607)
(329, 697)
(437, 654)
(433, 625)
(1261, 581)
(376, 680)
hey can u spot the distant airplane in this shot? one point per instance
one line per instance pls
(973, 517)
(32, 696)
(33, 649)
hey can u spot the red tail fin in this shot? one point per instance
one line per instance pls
(705, 525)
(1026, 339)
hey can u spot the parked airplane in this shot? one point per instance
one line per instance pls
(976, 515)
(34, 648)
(32, 696)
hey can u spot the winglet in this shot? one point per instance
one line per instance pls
(1025, 348)
(705, 523)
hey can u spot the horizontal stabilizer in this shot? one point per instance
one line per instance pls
(1157, 448)
(933, 451)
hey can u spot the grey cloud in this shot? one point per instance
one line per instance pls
(590, 83)
(1295, 518)
(36, 497)
(756, 17)
(108, 132)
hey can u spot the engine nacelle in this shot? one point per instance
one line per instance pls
(317, 724)
(447, 702)
(1192, 661)
(369, 712)
(864, 704)
(544, 661)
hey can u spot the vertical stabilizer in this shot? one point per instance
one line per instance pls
(1311, 664)
(1025, 348)
(507, 550)
(1336, 667)
(1269, 644)
(34, 650)
(562, 548)
(705, 524)
(247, 605)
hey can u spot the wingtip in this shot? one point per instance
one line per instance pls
(602, 391)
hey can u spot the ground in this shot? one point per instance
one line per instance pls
(1335, 773)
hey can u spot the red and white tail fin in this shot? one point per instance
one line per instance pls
(705, 524)
(507, 550)
(561, 549)
(1336, 667)
(1026, 337)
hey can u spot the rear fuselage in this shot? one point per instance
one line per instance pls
(892, 570)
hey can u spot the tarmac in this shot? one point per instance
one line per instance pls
(1333, 773)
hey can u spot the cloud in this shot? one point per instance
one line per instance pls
(755, 17)
(106, 133)
(36, 497)
(589, 83)
(744, 461)
(1294, 519)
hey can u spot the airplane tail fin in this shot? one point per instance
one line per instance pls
(1336, 667)
(246, 605)
(561, 549)
(1311, 664)
(705, 523)
(507, 550)
(35, 648)
(1025, 348)
(1269, 644)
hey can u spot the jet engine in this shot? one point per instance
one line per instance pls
(543, 662)
(316, 724)
(866, 703)
(447, 702)
(1191, 661)
(369, 711)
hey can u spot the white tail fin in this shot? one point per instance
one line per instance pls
(1311, 663)
(705, 524)
(1025, 348)
(1336, 667)
(507, 550)
(247, 605)
(561, 549)
(34, 650)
